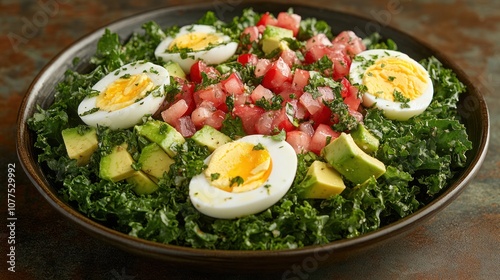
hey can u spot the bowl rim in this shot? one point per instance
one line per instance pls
(160, 250)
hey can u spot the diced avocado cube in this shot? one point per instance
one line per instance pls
(322, 181)
(349, 160)
(210, 137)
(117, 165)
(80, 143)
(272, 38)
(365, 140)
(142, 183)
(162, 134)
(154, 161)
(175, 70)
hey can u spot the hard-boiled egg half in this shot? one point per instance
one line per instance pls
(125, 96)
(393, 82)
(196, 42)
(244, 177)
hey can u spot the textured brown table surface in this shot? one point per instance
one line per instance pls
(460, 242)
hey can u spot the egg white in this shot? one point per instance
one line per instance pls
(217, 203)
(214, 55)
(391, 109)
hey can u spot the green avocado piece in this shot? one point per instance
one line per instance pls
(322, 181)
(365, 140)
(210, 137)
(117, 165)
(350, 161)
(142, 183)
(175, 70)
(272, 38)
(154, 161)
(162, 134)
(80, 143)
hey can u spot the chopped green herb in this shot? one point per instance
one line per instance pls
(214, 176)
(258, 147)
(236, 180)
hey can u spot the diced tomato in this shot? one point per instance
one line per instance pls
(186, 94)
(233, 84)
(212, 93)
(200, 67)
(318, 40)
(260, 92)
(322, 116)
(262, 67)
(344, 91)
(300, 112)
(315, 53)
(241, 99)
(202, 113)
(282, 121)
(352, 99)
(326, 94)
(300, 79)
(215, 120)
(278, 74)
(357, 115)
(341, 64)
(187, 91)
(311, 104)
(289, 93)
(185, 126)
(299, 140)
(272, 121)
(353, 43)
(247, 58)
(322, 134)
(248, 115)
(252, 32)
(286, 86)
(289, 21)
(350, 94)
(336, 53)
(175, 112)
(267, 19)
(264, 125)
(290, 57)
(307, 127)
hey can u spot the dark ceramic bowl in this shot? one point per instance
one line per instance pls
(472, 107)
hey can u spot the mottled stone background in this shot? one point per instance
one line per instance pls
(461, 242)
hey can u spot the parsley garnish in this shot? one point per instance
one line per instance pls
(236, 180)
(315, 81)
(172, 89)
(214, 176)
(91, 111)
(399, 97)
(281, 136)
(272, 104)
(258, 147)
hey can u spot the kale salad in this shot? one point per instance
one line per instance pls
(177, 128)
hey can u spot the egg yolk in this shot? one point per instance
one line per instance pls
(124, 91)
(239, 167)
(195, 41)
(393, 78)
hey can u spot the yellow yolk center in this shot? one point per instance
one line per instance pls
(196, 41)
(390, 76)
(124, 91)
(238, 167)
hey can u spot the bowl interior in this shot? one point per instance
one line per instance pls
(472, 108)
